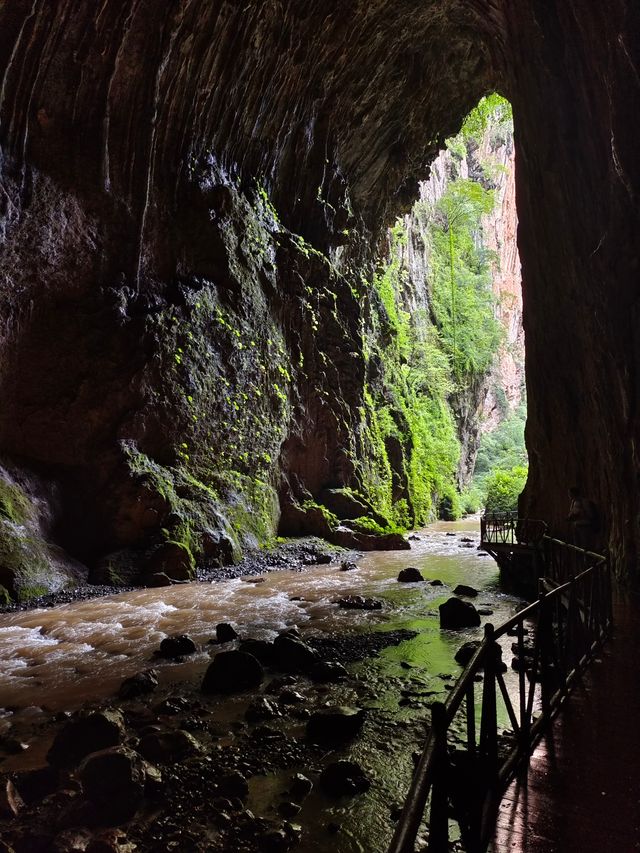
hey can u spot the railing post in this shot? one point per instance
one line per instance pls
(489, 719)
(439, 814)
(525, 722)
(543, 639)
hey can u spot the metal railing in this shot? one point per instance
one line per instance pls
(567, 625)
(506, 528)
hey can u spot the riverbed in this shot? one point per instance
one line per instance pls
(59, 659)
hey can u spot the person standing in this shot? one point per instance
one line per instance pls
(583, 518)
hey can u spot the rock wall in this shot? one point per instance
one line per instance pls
(505, 390)
(191, 199)
(574, 82)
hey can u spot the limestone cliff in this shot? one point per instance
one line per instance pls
(480, 159)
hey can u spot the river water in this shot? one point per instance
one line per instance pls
(60, 658)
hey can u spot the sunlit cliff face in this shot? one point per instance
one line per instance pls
(191, 196)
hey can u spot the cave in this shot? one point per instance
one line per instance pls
(192, 199)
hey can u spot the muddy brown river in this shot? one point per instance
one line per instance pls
(58, 659)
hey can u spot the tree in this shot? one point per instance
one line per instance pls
(504, 489)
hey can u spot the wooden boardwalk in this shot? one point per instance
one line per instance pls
(581, 792)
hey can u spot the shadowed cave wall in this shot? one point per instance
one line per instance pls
(192, 197)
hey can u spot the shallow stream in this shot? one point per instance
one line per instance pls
(60, 658)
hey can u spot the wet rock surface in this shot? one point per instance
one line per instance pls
(113, 781)
(139, 684)
(177, 646)
(467, 651)
(145, 768)
(344, 778)
(410, 575)
(358, 602)
(225, 633)
(347, 648)
(226, 762)
(456, 614)
(335, 724)
(231, 672)
(463, 589)
(86, 733)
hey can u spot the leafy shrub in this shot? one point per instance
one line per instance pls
(471, 501)
(504, 488)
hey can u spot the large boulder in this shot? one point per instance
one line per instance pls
(218, 548)
(456, 614)
(344, 504)
(263, 650)
(335, 724)
(172, 559)
(84, 734)
(347, 538)
(113, 780)
(231, 672)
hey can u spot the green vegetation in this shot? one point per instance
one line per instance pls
(504, 488)
(461, 281)
(504, 448)
(501, 461)
(430, 341)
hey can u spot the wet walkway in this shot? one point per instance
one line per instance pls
(581, 792)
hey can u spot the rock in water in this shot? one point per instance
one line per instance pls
(139, 684)
(335, 724)
(456, 614)
(344, 778)
(462, 589)
(230, 672)
(169, 746)
(300, 786)
(113, 780)
(328, 672)
(466, 652)
(293, 655)
(177, 646)
(357, 602)
(348, 566)
(84, 734)
(261, 709)
(410, 575)
(233, 784)
(260, 649)
(225, 633)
